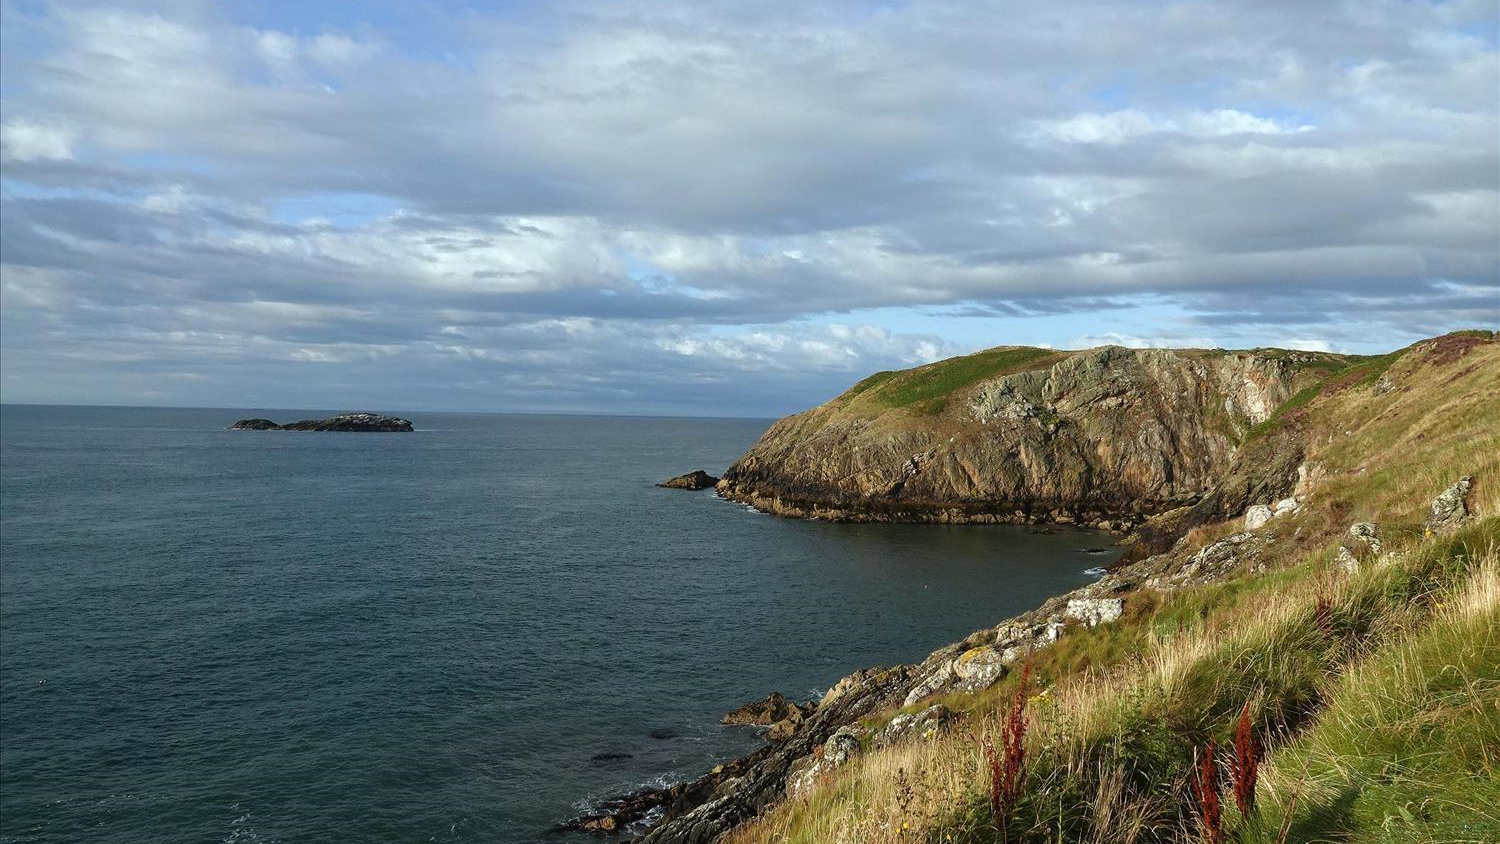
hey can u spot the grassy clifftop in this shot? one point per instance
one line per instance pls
(1354, 640)
(927, 389)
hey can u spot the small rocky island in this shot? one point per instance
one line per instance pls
(344, 422)
(698, 479)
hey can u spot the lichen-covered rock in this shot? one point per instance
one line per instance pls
(1095, 611)
(803, 775)
(1210, 563)
(1345, 560)
(923, 725)
(1450, 509)
(1366, 535)
(979, 668)
(1257, 515)
(842, 746)
(837, 751)
(934, 682)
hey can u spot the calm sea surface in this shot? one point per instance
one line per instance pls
(216, 636)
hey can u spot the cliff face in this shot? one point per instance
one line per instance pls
(1107, 435)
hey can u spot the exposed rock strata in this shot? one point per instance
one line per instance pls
(1108, 435)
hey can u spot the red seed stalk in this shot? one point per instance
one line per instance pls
(1206, 792)
(997, 783)
(1246, 767)
(1007, 767)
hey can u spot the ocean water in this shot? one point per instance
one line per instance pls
(216, 636)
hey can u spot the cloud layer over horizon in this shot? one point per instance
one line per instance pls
(717, 207)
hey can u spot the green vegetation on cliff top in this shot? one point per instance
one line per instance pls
(926, 389)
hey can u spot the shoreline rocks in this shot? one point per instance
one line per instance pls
(831, 732)
(782, 716)
(342, 423)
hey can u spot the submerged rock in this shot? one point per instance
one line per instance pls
(344, 422)
(698, 479)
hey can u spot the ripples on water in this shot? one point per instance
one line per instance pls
(209, 635)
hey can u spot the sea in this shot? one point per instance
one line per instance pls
(463, 634)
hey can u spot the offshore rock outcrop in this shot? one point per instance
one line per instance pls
(697, 479)
(343, 422)
(1105, 437)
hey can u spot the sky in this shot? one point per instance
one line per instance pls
(714, 208)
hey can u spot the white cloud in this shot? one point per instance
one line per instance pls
(1128, 124)
(1111, 338)
(23, 140)
(1307, 345)
(334, 50)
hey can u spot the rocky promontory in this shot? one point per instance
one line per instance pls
(1105, 437)
(343, 422)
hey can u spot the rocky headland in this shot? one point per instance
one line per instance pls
(1105, 437)
(1261, 451)
(343, 422)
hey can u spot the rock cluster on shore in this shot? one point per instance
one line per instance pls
(343, 422)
